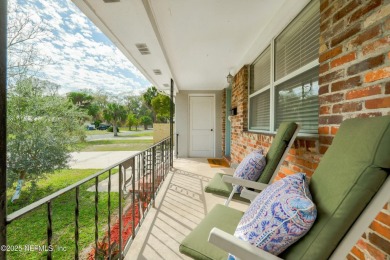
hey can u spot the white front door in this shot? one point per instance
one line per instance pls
(202, 123)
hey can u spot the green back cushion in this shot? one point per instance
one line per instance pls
(196, 244)
(348, 176)
(279, 144)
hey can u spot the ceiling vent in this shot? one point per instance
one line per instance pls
(157, 72)
(143, 48)
(111, 1)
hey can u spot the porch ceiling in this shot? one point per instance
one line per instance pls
(195, 42)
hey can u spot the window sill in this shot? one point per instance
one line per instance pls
(300, 135)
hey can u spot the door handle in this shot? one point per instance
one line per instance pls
(212, 130)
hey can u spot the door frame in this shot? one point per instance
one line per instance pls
(228, 130)
(189, 121)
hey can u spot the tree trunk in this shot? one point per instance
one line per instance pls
(115, 129)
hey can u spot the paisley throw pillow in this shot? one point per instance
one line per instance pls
(250, 168)
(279, 216)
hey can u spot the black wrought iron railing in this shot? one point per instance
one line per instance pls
(138, 180)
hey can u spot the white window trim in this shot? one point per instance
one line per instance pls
(272, 87)
(273, 84)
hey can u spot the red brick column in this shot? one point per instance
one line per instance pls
(355, 82)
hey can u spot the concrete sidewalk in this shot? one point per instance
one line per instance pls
(98, 160)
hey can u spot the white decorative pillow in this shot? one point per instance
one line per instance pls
(279, 216)
(250, 168)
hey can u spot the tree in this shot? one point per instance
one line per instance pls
(134, 104)
(80, 99)
(94, 111)
(161, 107)
(42, 128)
(146, 121)
(136, 124)
(147, 98)
(114, 113)
(23, 32)
(131, 120)
(149, 94)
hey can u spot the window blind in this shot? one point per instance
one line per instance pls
(260, 111)
(298, 44)
(261, 71)
(297, 100)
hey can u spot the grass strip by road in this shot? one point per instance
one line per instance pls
(120, 134)
(30, 230)
(115, 145)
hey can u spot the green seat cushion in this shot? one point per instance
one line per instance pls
(196, 244)
(219, 187)
(348, 176)
(280, 142)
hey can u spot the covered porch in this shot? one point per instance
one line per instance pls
(209, 55)
(180, 205)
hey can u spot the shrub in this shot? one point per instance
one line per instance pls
(111, 129)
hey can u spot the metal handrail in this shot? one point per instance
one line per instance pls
(150, 164)
(19, 213)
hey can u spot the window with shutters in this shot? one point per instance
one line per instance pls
(283, 83)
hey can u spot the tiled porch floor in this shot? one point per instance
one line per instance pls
(180, 205)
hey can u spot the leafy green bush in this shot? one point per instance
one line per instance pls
(111, 129)
(97, 123)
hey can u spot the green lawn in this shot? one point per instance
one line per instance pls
(137, 134)
(96, 132)
(115, 145)
(31, 229)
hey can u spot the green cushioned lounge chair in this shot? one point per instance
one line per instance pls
(349, 187)
(221, 184)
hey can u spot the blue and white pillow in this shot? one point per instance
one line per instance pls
(279, 216)
(250, 168)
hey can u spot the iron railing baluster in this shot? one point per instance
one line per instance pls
(153, 172)
(96, 215)
(109, 214)
(143, 179)
(76, 220)
(133, 199)
(49, 230)
(120, 211)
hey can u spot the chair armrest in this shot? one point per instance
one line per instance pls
(245, 183)
(248, 194)
(237, 247)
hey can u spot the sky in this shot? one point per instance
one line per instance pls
(82, 57)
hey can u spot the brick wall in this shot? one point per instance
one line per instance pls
(223, 120)
(354, 82)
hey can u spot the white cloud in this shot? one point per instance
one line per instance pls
(79, 61)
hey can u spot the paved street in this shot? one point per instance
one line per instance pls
(98, 160)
